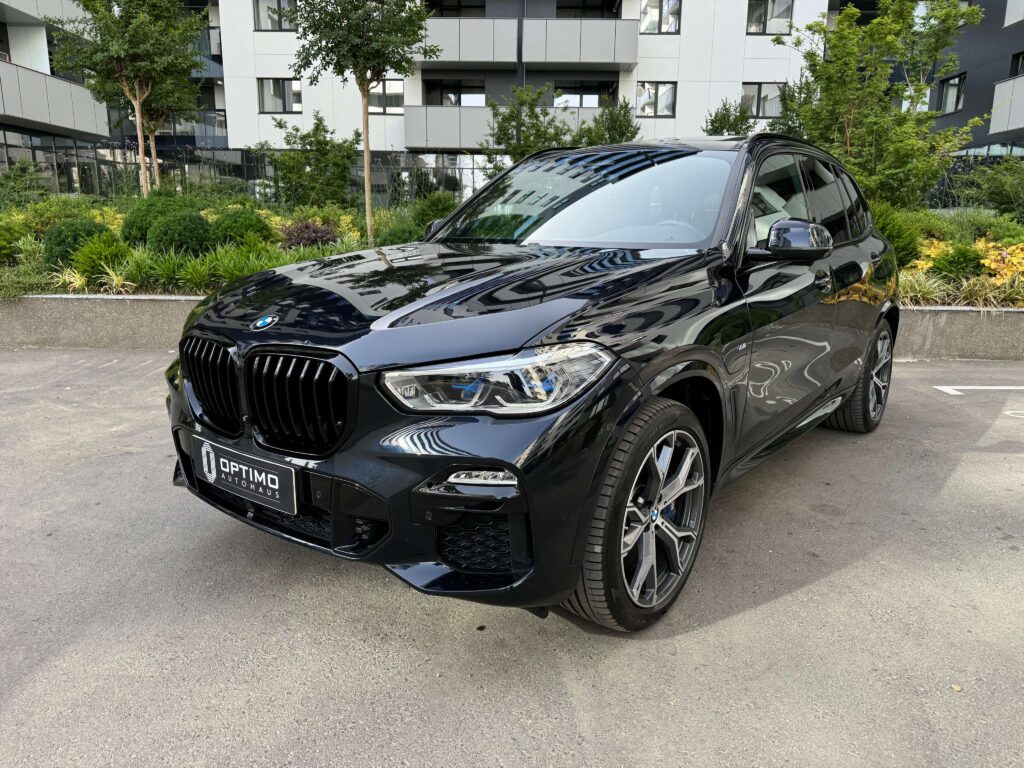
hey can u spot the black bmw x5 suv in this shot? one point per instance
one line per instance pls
(533, 405)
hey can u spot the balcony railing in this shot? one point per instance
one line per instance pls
(586, 42)
(434, 127)
(473, 41)
(208, 129)
(1008, 106)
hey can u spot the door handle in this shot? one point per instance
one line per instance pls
(823, 280)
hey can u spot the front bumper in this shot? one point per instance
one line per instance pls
(380, 496)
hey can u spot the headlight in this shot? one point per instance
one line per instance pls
(533, 381)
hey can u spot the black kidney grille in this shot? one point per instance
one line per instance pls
(297, 403)
(214, 379)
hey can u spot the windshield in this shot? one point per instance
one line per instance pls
(609, 197)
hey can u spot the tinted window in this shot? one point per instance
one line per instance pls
(856, 211)
(778, 194)
(667, 197)
(825, 198)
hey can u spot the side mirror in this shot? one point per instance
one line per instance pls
(432, 227)
(794, 240)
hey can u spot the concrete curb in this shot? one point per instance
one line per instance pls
(155, 322)
(117, 322)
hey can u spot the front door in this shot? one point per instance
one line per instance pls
(791, 317)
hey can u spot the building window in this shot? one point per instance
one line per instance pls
(762, 99)
(280, 95)
(1017, 65)
(388, 98)
(655, 99)
(951, 94)
(586, 9)
(769, 17)
(583, 94)
(454, 93)
(660, 17)
(268, 15)
(456, 8)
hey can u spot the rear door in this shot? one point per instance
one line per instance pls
(790, 310)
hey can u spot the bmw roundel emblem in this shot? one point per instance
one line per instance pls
(262, 323)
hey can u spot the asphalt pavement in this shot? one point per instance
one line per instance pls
(858, 601)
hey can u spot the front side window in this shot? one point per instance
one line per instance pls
(762, 99)
(457, 8)
(951, 94)
(388, 97)
(778, 194)
(454, 93)
(583, 94)
(268, 15)
(280, 95)
(636, 197)
(769, 17)
(825, 200)
(660, 17)
(655, 99)
(856, 209)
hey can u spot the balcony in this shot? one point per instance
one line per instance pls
(31, 99)
(211, 54)
(455, 128)
(581, 43)
(1014, 12)
(473, 42)
(1008, 106)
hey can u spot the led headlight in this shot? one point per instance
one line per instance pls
(532, 381)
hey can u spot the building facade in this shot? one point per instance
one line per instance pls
(46, 117)
(989, 82)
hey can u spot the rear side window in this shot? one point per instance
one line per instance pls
(825, 198)
(856, 210)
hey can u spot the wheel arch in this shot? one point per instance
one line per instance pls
(891, 314)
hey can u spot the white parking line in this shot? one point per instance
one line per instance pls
(957, 389)
(1016, 414)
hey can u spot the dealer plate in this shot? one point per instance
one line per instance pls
(264, 482)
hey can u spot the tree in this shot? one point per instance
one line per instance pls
(126, 48)
(524, 124)
(364, 40)
(316, 168)
(731, 118)
(173, 98)
(791, 98)
(615, 123)
(866, 99)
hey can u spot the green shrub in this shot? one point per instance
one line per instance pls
(929, 224)
(1001, 186)
(186, 232)
(965, 225)
(924, 289)
(959, 262)
(27, 247)
(101, 250)
(899, 229)
(167, 271)
(21, 184)
(300, 234)
(196, 275)
(146, 211)
(436, 205)
(42, 216)
(1006, 230)
(12, 229)
(141, 268)
(396, 226)
(66, 237)
(28, 276)
(238, 224)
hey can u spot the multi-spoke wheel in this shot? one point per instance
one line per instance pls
(648, 521)
(863, 409)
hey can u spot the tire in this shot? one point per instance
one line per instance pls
(613, 590)
(863, 410)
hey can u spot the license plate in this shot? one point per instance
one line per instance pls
(264, 482)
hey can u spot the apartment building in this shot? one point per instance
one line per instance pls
(46, 117)
(989, 82)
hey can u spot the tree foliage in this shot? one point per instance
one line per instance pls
(125, 48)
(865, 98)
(365, 40)
(315, 168)
(615, 123)
(730, 118)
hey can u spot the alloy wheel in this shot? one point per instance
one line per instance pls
(664, 512)
(881, 374)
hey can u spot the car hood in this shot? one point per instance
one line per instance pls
(424, 302)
